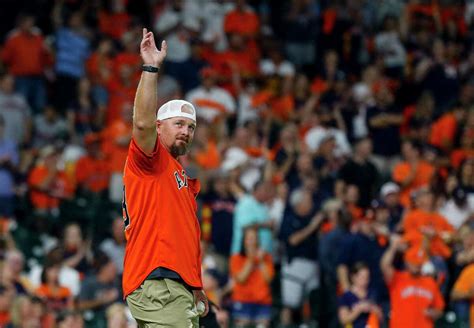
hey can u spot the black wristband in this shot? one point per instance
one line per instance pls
(151, 69)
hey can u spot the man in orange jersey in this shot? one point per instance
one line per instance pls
(162, 269)
(415, 299)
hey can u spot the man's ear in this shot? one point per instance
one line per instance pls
(158, 126)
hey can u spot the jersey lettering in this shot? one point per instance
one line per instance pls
(181, 179)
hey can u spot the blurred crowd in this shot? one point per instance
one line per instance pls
(334, 145)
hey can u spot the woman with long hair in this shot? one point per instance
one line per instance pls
(252, 272)
(357, 308)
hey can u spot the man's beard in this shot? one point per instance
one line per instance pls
(179, 150)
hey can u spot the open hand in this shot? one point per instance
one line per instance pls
(149, 52)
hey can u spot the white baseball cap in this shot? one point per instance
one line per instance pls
(176, 108)
(389, 188)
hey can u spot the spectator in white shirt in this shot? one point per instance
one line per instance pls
(213, 104)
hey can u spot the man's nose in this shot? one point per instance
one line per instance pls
(184, 131)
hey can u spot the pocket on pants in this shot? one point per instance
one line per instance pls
(157, 293)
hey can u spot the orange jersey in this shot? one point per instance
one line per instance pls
(255, 289)
(418, 219)
(443, 131)
(93, 173)
(161, 225)
(244, 23)
(410, 297)
(56, 300)
(60, 187)
(424, 172)
(465, 284)
(116, 153)
(25, 54)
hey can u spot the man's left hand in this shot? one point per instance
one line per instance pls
(200, 295)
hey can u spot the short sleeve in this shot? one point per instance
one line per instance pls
(140, 162)
(236, 262)
(465, 281)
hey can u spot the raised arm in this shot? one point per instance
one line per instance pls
(144, 111)
(386, 263)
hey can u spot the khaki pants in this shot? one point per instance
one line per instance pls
(163, 303)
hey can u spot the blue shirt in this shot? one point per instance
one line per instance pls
(292, 223)
(9, 150)
(349, 299)
(72, 50)
(249, 211)
(361, 248)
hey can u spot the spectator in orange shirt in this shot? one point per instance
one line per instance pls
(416, 301)
(129, 56)
(92, 170)
(56, 297)
(465, 149)
(206, 151)
(245, 22)
(236, 59)
(116, 138)
(115, 20)
(26, 57)
(100, 67)
(121, 93)
(443, 131)
(417, 118)
(242, 20)
(413, 173)
(423, 226)
(48, 184)
(252, 271)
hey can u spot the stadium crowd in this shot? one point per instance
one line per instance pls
(334, 145)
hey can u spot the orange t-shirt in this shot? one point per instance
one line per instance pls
(116, 154)
(443, 130)
(93, 173)
(415, 220)
(255, 289)
(127, 59)
(424, 172)
(245, 61)
(459, 155)
(114, 24)
(25, 54)
(120, 95)
(161, 226)
(209, 158)
(410, 297)
(244, 23)
(465, 284)
(95, 64)
(56, 300)
(61, 187)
